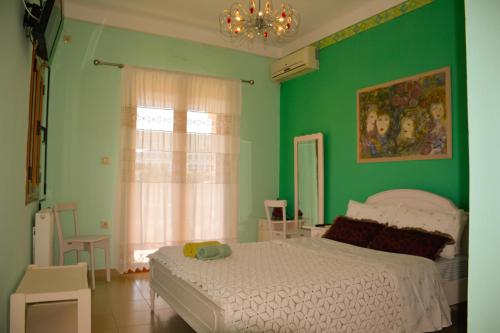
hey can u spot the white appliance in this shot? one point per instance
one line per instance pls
(298, 63)
(43, 235)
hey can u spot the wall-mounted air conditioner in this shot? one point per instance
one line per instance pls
(295, 64)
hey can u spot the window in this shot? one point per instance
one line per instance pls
(155, 119)
(200, 122)
(179, 169)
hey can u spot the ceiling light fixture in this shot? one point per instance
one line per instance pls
(254, 21)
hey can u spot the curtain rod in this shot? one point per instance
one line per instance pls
(98, 62)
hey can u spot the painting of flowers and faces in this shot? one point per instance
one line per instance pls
(407, 119)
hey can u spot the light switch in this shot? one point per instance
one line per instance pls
(104, 225)
(105, 160)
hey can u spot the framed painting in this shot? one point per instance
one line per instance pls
(406, 119)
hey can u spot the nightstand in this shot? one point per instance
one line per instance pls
(316, 232)
(264, 231)
(305, 231)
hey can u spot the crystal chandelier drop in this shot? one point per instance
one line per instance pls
(254, 21)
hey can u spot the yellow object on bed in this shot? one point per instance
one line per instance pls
(191, 249)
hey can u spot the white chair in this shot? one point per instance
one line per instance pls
(279, 229)
(80, 242)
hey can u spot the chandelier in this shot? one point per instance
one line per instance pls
(254, 21)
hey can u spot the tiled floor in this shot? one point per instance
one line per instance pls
(122, 306)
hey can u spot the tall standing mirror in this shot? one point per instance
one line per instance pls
(308, 166)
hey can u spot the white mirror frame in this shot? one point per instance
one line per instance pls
(311, 137)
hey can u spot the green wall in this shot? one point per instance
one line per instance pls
(16, 218)
(325, 101)
(84, 118)
(483, 50)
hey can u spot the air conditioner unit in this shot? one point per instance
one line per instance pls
(43, 235)
(298, 63)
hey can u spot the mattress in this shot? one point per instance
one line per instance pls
(316, 285)
(453, 269)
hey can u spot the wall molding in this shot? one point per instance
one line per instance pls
(367, 17)
(372, 22)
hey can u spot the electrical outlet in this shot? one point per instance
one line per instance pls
(104, 225)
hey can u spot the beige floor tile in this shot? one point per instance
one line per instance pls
(142, 282)
(99, 297)
(124, 319)
(129, 306)
(159, 303)
(165, 314)
(103, 321)
(99, 289)
(105, 330)
(121, 286)
(101, 307)
(124, 294)
(143, 286)
(145, 292)
(144, 329)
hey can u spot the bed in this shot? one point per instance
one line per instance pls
(311, 285)
(454, 283)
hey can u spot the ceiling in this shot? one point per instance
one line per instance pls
(197, 20)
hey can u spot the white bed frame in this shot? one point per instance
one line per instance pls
(204, 316)
(455, 290)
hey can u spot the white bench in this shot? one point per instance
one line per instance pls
(51, 284)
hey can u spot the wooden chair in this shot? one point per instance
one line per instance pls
(80, 242)
(279, 229)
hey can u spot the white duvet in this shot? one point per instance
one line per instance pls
(317, 285)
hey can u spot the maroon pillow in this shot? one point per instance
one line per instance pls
(410, 241)
(352, 231)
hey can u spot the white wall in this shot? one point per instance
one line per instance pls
(483, 80)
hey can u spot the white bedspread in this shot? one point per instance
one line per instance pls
(317, 285)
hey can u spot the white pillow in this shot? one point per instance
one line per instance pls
(451, 223)
(379, 213)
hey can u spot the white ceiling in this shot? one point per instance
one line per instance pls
(197, 20)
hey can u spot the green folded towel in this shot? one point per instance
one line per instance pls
(190, 249)
(213, 252)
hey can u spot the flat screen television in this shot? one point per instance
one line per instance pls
(45, 29)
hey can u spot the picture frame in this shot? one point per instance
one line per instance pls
(406, 119)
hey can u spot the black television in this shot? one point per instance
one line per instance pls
(43, 23)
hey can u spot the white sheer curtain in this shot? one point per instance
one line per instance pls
(179, 152)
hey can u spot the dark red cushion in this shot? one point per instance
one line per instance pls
(352, 231)
(410, 241)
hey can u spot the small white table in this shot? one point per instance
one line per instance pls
(316, 232)
(304, 231)
(51, 284)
